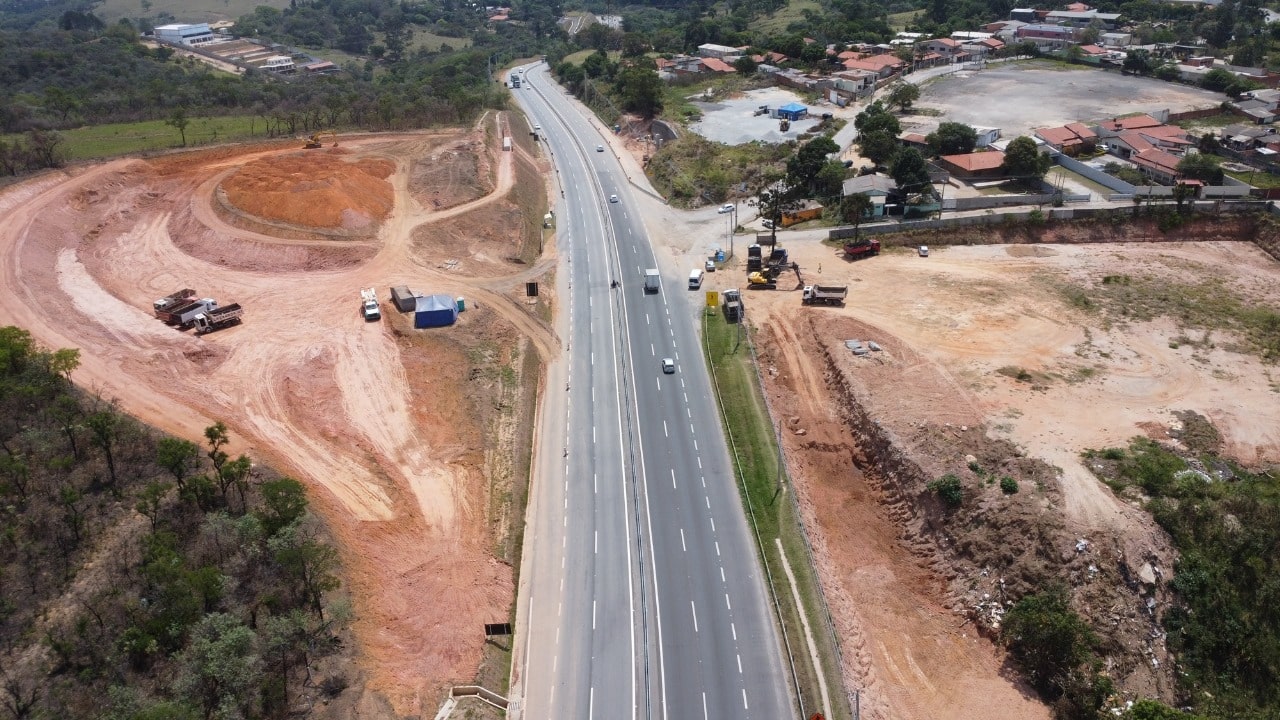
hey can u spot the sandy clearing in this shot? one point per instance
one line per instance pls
(304, 383)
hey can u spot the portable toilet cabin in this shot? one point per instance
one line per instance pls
(435, 311)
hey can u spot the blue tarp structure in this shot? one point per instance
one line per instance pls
(435, 311)
(793, 111)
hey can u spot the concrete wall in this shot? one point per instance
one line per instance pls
(841, 233)
(994, 201)
(1108, 181)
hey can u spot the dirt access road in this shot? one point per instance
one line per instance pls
(392, 447)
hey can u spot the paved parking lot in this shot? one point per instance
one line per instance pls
(1018, 97)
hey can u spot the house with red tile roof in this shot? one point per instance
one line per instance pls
(1072, 138)
(882, 65)
(1093, 51)
(974, 165)
(1158, 164)
(717, 65)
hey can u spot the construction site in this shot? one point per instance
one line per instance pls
(414, 443)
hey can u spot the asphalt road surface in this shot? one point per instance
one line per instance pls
(642, 596)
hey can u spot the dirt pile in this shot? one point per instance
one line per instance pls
(452, 175)
(315, 189)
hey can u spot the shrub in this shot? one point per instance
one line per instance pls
(1008, 485)
(1048, 640)
(949, 489)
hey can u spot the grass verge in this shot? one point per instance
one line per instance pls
(771, 512)
(104, 141)
(1264, 180)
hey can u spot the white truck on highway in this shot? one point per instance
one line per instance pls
(651, 280)
(369, 305)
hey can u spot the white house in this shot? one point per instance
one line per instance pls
(198, 34)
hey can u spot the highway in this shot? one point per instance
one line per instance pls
(641, 594)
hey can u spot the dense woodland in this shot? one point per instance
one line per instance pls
(144, 576)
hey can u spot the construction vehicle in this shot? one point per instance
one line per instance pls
(369, 305)
(218, 318)
(651, 280)
(754, 263)
(183, 313)
(172, 300)
(784, 125)
(315, 141)
(761, 281)
(824, 294)
(862, 246)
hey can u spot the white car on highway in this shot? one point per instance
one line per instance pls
(613, 198)
(668, 366)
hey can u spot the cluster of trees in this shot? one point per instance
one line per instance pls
(209, 591)
(351, 25)
(633, 84)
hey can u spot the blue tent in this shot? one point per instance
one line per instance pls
(792, 111)
(435, 311)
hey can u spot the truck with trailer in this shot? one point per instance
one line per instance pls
(369, 305)
(182, 314)
(861, 247)
(732, 305)
(515, 79)
(824, 294)
(754, 262)
(652, 280)
(218, 318)
(172, 300)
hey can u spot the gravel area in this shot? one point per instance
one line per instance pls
(732, 122)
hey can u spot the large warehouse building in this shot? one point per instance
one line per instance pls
(197, 34)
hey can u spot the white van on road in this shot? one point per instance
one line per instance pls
(695, 279)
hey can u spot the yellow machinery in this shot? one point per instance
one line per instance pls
(317, 140)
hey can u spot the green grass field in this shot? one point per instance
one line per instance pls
(1264, 180)
(771, 512)
(431, 41)
(900, 21)
(777, 22)
(103, 141)
(194, 11)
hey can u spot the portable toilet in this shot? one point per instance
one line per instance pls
(462, 303)
(434, 311)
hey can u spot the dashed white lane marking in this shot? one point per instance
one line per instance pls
(659, 382)
(682, 545)
(739, 664)
(708, 499)
(694, 607)
(734, 629)
(652, 351)
(646, 319)
(699, 462)
(744, 700)
(664, 429)
(722, 575)
(595, 482)
(717, 548)
(686, 397)
(704, 481)
(593, 614)
(713, 524)
(596, 543)
(727, 606)
(704, 707)
(673, 479)
(695, 445)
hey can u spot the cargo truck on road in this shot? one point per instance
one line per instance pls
(651, 280)
(369, 305)
(824, 294)
(218, 318)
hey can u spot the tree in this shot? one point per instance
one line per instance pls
(634, 44)
(879, 147)
(310, 564)
(1181, 193)
(1216, 80)
(803, 167)
(829, 180)
(178, 456)
(745, 65)
(285, 500)
(1200, 166)
(1024, 162)
(104, 427)
(1209, 143)
(876, 118)
(953, 138)
(220, 668)
(910, 171)
(902, 94)
(854, 208)
(1138, 62)
(641, 90)
(179, 121)
(773, 198)
(1047, 639)
(43, 147)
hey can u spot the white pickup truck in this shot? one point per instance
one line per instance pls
(369, 305)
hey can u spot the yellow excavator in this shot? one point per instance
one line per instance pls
(317, 140)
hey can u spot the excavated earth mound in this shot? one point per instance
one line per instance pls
(313, 189)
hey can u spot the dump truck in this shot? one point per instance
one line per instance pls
(369, 305)
(824, 294)
(173, 300)
(183, 314)
(863, 246)
(760, 281)
(218, 318)
(652, 280)
(732, 305)
(754, 262)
